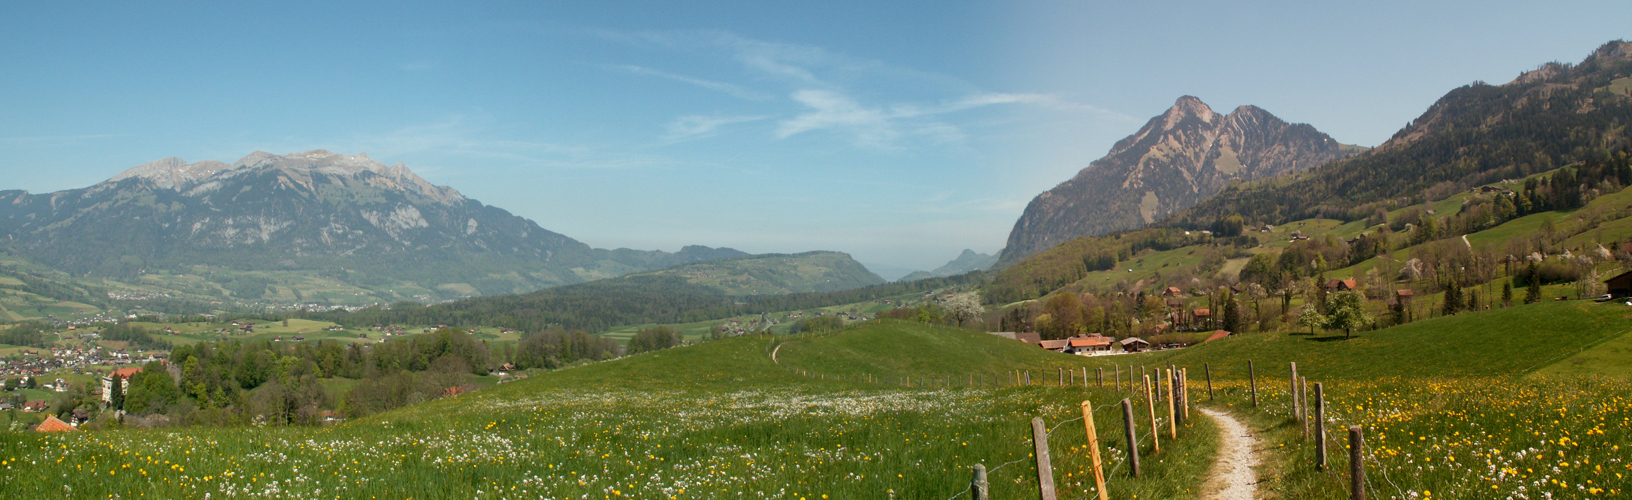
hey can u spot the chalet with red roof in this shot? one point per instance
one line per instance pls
(1342, 285)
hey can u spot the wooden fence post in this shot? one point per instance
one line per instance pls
(1208, 368)
(1062, 377)
(1155, 430)
(1028, 378)
(1320, 428)
(1045, 470)
(1184, 390)
(1357, 469)
(979, 489)
(1172, 414)
(1132, 435)
(1303, 395)
(1252, 380)
(1294, 374)
(1099, 380)
(1118, 377)
(1093, 448)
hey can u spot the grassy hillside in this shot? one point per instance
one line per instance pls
(713, 420)
(1523, 402)
(778, 274)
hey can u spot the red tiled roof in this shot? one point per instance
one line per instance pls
(1091, 341)
(1055, 344)
(51, 424)
(1202, 312)
(1404, 293)
(126, 372)
(1217, 335)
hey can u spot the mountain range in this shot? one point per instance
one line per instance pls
(967, 261)
(346, 219)
(1174, 161)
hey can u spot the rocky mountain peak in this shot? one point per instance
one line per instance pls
(1187, 107)
(177, 174)
(1178, 158)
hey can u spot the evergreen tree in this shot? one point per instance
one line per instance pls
(1453, 298)
(117, 393)
(1232, 313)
(1533, 293)
(1507, 294)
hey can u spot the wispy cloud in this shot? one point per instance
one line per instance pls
(728, 88)
(701, 126)
(821, 83)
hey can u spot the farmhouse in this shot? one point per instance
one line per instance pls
(1056, 345)
(36, 406)
(1217, 335)
(1172, 291)
(1087, 344)
(1620, 285)
(1342, 285)
(1134, 344)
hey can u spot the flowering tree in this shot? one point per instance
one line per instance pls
(964, 307)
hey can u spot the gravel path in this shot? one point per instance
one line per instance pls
(1232, 477)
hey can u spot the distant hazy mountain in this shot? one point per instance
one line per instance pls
(353, 219)
(1176, 160)
(969, 260)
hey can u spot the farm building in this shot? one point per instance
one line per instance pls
(1085, 344)
(1620, 285)
(1056, 345)
(1217, 335)
(1342, 285)
(1134, 344)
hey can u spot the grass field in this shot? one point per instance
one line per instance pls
(1479, 405)
(718, 419)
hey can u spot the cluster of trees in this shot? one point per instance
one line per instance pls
(654, 339)
(237, 382)
(27, 333)
(820, 324)
(137, 337)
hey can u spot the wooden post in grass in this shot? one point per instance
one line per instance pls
(1099, 380)
(1028, 378)
(1252, 380)
(1045, 470)
(1132, 435)
(1184, 385)
(1093, 448)
(1155, 430)
(979, 489)
(1172, 414)
(1294, 373)
(1062, 376)
(1208, 368)
(1357, 469)
(1303, 394)
(1320, 428)
(1118, 380)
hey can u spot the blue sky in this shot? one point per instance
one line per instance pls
(901, 132)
